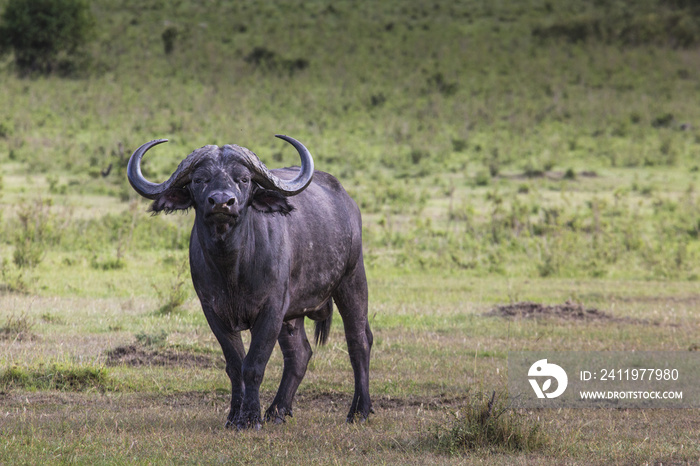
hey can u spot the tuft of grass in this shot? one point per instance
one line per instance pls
(17, 328)
(50, 318)
(36, 230)
(570, 174)
(13, 280)
(56, 377)
(175, 294)
(482, 179)
(152, 339)
(108, 263)
(488, 424)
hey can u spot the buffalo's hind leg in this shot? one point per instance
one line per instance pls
(296, 352)
(351, 299)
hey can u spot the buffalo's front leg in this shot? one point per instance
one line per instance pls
(234, 352)
(233, 370)
(296, 351)
(263, 336)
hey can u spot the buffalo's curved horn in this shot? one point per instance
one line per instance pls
(151, 190)
(133, 171)
(266, 179)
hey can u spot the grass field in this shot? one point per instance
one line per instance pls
(501, 152)
(435, 356)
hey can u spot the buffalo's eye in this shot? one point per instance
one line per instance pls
(199, 180)
(245, 180)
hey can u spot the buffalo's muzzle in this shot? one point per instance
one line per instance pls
(223, 207)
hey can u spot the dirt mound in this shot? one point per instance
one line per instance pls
(135, 355)
(569, 310)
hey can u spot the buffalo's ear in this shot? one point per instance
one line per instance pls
(171, 200)
(269, 201)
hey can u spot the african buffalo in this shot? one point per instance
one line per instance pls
(268, 248)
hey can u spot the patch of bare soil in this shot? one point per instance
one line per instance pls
(567, 311)
(136, 355)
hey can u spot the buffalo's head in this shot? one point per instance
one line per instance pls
(220, 183)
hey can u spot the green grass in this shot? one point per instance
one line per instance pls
(437, 114)
(55, 377)
(497, 156)
(436, 359)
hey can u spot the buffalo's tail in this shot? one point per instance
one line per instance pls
(322, 328)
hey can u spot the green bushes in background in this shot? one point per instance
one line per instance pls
(45, 35)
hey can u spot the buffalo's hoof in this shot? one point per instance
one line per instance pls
(360, 415)
(357, 417)
(247, 422)
(277, 415)
(248, 426)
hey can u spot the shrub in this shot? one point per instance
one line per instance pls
(437, 82)
(40, 31)
(663, 121)
(268, 60)
(169, 36)
(570, 174)
(459, 145)
(377, 100)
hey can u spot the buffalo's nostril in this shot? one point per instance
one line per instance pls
(231, 201)
(211, 200)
